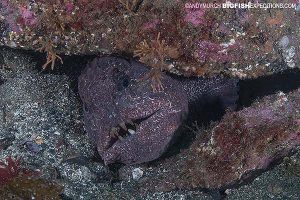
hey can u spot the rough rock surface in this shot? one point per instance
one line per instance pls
(40, 120)
(280, 183)
(176, 36)
(235, 149)
(71, 163)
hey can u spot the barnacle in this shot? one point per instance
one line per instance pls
(48, 48)
(155, 54)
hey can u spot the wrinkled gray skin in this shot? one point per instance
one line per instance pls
(112, 93)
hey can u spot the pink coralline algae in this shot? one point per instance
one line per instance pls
(115, 26)
(17, 17)
(69, 7)
(150, 25)
(7, 9)
(214, 52)
(27, 17)
(195, 16)
(234, 150)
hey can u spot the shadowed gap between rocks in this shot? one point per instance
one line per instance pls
(249, 91)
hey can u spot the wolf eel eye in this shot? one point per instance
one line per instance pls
(125, 81)
(121, 79)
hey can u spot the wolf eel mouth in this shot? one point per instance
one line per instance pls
(125, 129)
(130, 123)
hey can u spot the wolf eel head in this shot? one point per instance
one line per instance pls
(128, 122)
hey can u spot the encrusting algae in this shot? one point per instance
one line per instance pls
(19, 183)
(200, 41)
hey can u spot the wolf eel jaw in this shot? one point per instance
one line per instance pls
(157, 130)
(158, 119)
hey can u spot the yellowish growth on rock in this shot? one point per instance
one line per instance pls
(48, 48)
(55, 23)
(154, 54)
(129, 5)
(155, 76)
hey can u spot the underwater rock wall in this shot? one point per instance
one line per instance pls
(40, 119)
(234, 150)
(172, 35)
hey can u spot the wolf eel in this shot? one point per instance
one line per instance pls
(130, 123)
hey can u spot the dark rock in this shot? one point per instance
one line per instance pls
(238, 149)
